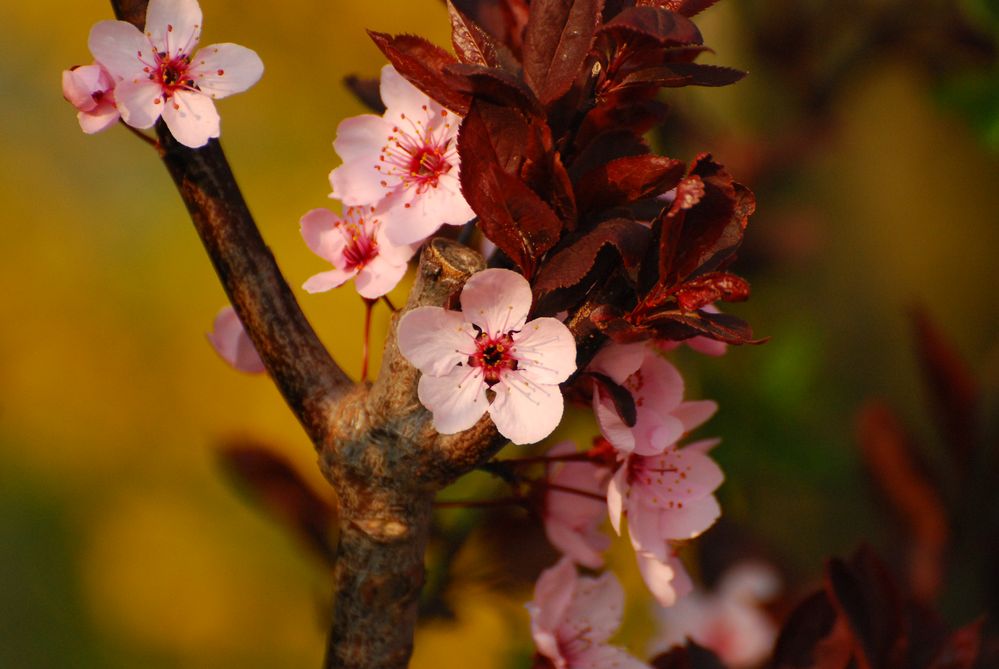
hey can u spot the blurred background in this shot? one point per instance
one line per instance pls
(869, 131)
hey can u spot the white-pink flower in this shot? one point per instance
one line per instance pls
(158, 74)
(666, 498)
(91, 90)
(489, 358)
(572, 521)
(729, 621)
(572, 618)
(657, 387)
(404, 162)
(357, 248)
(230, 341)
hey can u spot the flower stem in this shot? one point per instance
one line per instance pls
(143, 136)
(572, 491)
(368, 306)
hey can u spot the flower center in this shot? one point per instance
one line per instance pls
(172, 72)
(493, 355)
(361, 247)
(417, 153)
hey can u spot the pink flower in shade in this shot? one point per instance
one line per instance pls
(666, 497)
(657, 387)
(572, 618)
(728, 621)
(357, 248)
(90, 89)
(572, 522)
(405, 162)
(230, 341)
(157, 73)
(489, 358)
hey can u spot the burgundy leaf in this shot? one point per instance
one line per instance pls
(611, 321)
(685, 7)
(682, 74)
(606, 147)
(690, 656)
(423, 65)
(622, 398)
(810, 623)
(624, 180)
(558, 36)
(678, 325)
(961, 649)
(712, 287)
(475, 46)
(367, 91)
(664, 26)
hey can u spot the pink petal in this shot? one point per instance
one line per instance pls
(707, 346)
(408, 218)
(78, 88)
(658, 576)
(656, 435)
(321, 235)
(140, 102)
(552, 594)
(694, 413)
(101, 118)
(619, 361)
(401, 97)
(605, 657)
(696, 474)
(434, 340)
(643, 528)
(545, 351)
(119, 46)
(457, 400)
(702, 446)
(221, 70)
(691, 520)
(616, 492)
(174, 26)
(661, 386)
(581, 549)
(682, 584)
(611, 426)
(445, 201)
(320, 283)
(595, 610)
(358, 142)
(232, 343)
(192, 118)
(379, 277)
(750, 582)
(497, 300)
(525, 413)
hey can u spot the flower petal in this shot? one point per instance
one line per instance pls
(140, 102)
(619, 361)
(603, 656)
(497, 300)
(408, 217)
(552, 594)
(174, 26)
(319, 230)
(689, 521)
(400, 96)
(611, 426)
(192, 118)
(693, 414)
(120, 48)
(545, 351)
(643, 529)
(230, 341)
(379, 277)
(581, 548)
(101, 118)
(524, 412)
(358, 142)
(616, 492)
(658, 576)
(595, 610)
(435, 340)
(221, 70)
(456, 400)
(328, 280)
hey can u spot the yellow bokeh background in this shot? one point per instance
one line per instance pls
(123, 544)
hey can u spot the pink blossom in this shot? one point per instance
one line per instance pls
(667, 498)
(405, 162)
(229, 339)
(90, 89)
(572, 618)
(157, 73)
(489, 358)
(357, 248)
(572, 522)
(657, 387)
(728, 621)
(701, 344)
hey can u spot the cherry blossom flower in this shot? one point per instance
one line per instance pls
(489, 358)
(728, 621)
(666, 497)
(657, 387)
(405, 162)
(230, 341)
(572, 521)
(357, 248)
(158, 74)
(572, 618)
(91, 90)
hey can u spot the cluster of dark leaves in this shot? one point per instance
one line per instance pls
(556, 96)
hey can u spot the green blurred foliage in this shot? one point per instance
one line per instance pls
(123, 545)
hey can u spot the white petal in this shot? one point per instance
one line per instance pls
(321, 235)
(497, 300)
(545, 351)
(524, 412)
(616, 492)
(658, 577)
(140, 103)
(192, 118)
(120, 48)
(457, 400)
(406, 217)
(224, 69)
(101, 118)
(435, 340)
(595, 610)
(379, 277)
(174, 26)
(320, 283)
(400, 96)
(445, 203)
(362, 137)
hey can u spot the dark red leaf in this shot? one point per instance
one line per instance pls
(810, 623)
(901, 478)
(503, 20)
(622, 398)
(610, 320)
(606, 147)
(473, 45)
(664, 26)
(690, 656)
(961, 649)
(674, 75)
(625, 180)
(367, 91)
(954, 392)
(676, 325)
(274, 484)
(712, 287)
(423, 65)
(557, 39)
(685, 7)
